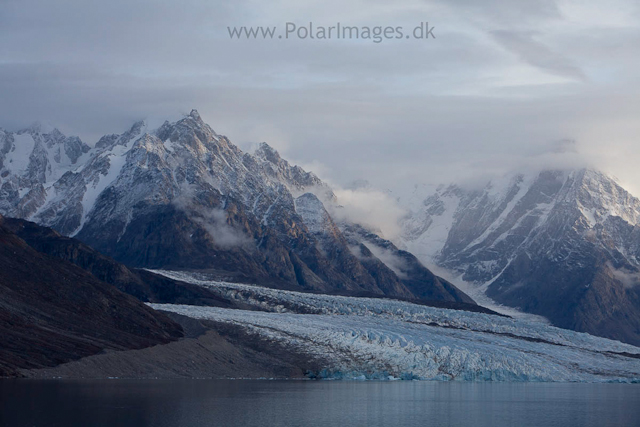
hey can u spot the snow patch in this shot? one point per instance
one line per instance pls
(17, 159)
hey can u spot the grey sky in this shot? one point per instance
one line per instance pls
(502, 84)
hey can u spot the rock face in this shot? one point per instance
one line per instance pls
(52, 311)
(564, 245)
(142, 284)
(410, 272)
(184, 197)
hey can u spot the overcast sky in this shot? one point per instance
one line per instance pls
(505, 84)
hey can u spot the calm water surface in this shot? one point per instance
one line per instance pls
(314, 403)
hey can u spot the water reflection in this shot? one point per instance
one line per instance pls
(314, 403)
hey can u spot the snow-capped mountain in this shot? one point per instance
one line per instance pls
(184, 197)
(561, 244)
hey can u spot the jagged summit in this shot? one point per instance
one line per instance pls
(296, 178)
(195, 115)
(587, 196)
(184, 197)
(558, 243)
(193, 119)
(266, 152)
(56, 135)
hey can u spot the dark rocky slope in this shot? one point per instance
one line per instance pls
(419, 280)
(144, 285)
(52, 311)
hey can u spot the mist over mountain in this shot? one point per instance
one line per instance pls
(184, 197)
(554, 239)
(558, 243)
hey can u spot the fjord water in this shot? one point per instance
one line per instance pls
(314, 403)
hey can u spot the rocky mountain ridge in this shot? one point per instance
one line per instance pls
(561, 244)
(184, 197)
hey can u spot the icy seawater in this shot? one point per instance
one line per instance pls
(245, 403)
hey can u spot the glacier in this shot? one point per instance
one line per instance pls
(375, 338)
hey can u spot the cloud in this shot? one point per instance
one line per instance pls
(224, 235)
(628, 278)
(535, 53)
(394, 262)
(368, 207)
(214, 221)
(502, 81)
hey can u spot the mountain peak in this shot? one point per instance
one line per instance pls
(541, 244)
(193, 121)
(267, 152)
(595, 174)
(195, 115)
(137, 126)
(137, 129)
(56, 134)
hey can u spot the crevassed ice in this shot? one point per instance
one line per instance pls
(377, 338)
